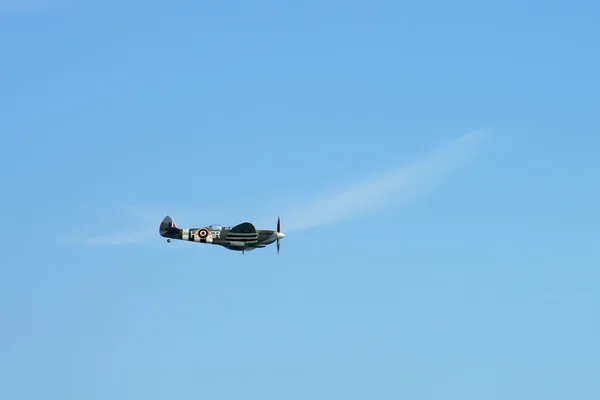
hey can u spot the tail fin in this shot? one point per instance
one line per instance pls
(168, 226)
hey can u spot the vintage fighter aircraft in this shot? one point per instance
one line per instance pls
(242, 237)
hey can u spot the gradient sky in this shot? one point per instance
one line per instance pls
(435, 167)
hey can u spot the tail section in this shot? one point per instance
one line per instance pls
(168, 227)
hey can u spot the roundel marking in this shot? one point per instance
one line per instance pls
(203, 233)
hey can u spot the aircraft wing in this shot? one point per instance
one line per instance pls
(244, 227)
(243, 233)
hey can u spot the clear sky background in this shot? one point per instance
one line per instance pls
(435, 166)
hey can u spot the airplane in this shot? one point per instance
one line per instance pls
(242, 237)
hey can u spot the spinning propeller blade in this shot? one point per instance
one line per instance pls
(278, 230)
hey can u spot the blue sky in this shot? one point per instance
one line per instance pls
(434, 166)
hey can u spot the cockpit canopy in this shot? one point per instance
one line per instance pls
(215, 227)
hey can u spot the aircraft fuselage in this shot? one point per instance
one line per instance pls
(242, 237)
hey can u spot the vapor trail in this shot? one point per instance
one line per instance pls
(400, 184)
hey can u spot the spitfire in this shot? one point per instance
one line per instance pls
(242, 237)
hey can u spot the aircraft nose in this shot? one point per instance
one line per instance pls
(280, 235)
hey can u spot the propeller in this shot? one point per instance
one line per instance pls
(278, 232)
